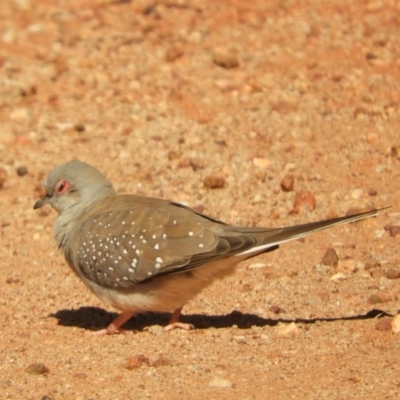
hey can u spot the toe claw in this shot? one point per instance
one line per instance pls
(180, 325)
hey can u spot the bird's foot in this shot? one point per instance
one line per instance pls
(180, 325)
(115, 326)
(108, 331)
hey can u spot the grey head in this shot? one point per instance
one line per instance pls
(73, 187)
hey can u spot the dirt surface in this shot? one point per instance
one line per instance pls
(170, 98)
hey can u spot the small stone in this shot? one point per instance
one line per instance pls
(395, 151)
(350, 265)
(396, 324)
(287, 183)
(338, 277)
(323, 269)
(372, 137)
(37, 369)
(137, 362)
(173, 53)
(198, 208)
(372, 192)
(261, 162)
(22, 171)
(156, 330)
(330, 258)
(393, 230)
(377, 298)
(80, 375)
(304, 201)
(19, 114)
(196, 163)
(225, 58)
(3, 177)
(219, 382)
(12, 280)
(356, 193)
(214, 182)
(284, 107)
(161, 362)
(393, 273)
(376, 273)
(290, 329)
(79, 127)
(276, 309)
(173, 155)
(384, 324)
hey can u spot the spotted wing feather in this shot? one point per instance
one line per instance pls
(124, 248)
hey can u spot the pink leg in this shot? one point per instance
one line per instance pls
(174, 322)
(115, 326)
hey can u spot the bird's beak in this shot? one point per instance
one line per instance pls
(41, 202)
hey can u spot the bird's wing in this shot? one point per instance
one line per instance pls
(121, 248)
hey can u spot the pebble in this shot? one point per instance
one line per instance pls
(393, 230)
(214, 182)
(276, 309)
(338, 277)
(392, 273)
(37, 369)
(161, 362)
(284, 107)
(156, 330)
(173, 53)
(396, 324)
(304, 201)
(3, 177)
(79, 127)
(372, 192)
(350, 265)
(22, 171)
(395, 151)
(323, 269)
(287, 183)
(330, 258)
(261, 162)
(384, 324)
(377, 298)
(357, 193)
(219, 382)
(19, 114)
(173, 155)
(137, 362)
(290, 329)
(225, 58)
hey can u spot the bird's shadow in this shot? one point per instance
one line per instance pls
(95, 318)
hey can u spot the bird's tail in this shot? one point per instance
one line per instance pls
(271, 238)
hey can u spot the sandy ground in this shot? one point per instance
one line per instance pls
(159, 96)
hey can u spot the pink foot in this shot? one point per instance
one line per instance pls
(174, 322)
(114, 327)
(108, 331)
(180, 325)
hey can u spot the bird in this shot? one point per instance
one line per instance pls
(142, 254)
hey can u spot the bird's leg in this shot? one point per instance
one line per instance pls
(174, 322)
(115, 326)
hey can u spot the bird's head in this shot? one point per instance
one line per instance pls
(74, 185)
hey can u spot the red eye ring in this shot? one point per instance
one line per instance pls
(61, 186)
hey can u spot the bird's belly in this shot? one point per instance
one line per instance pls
(163, 294)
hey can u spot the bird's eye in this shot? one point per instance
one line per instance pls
(61, 186)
